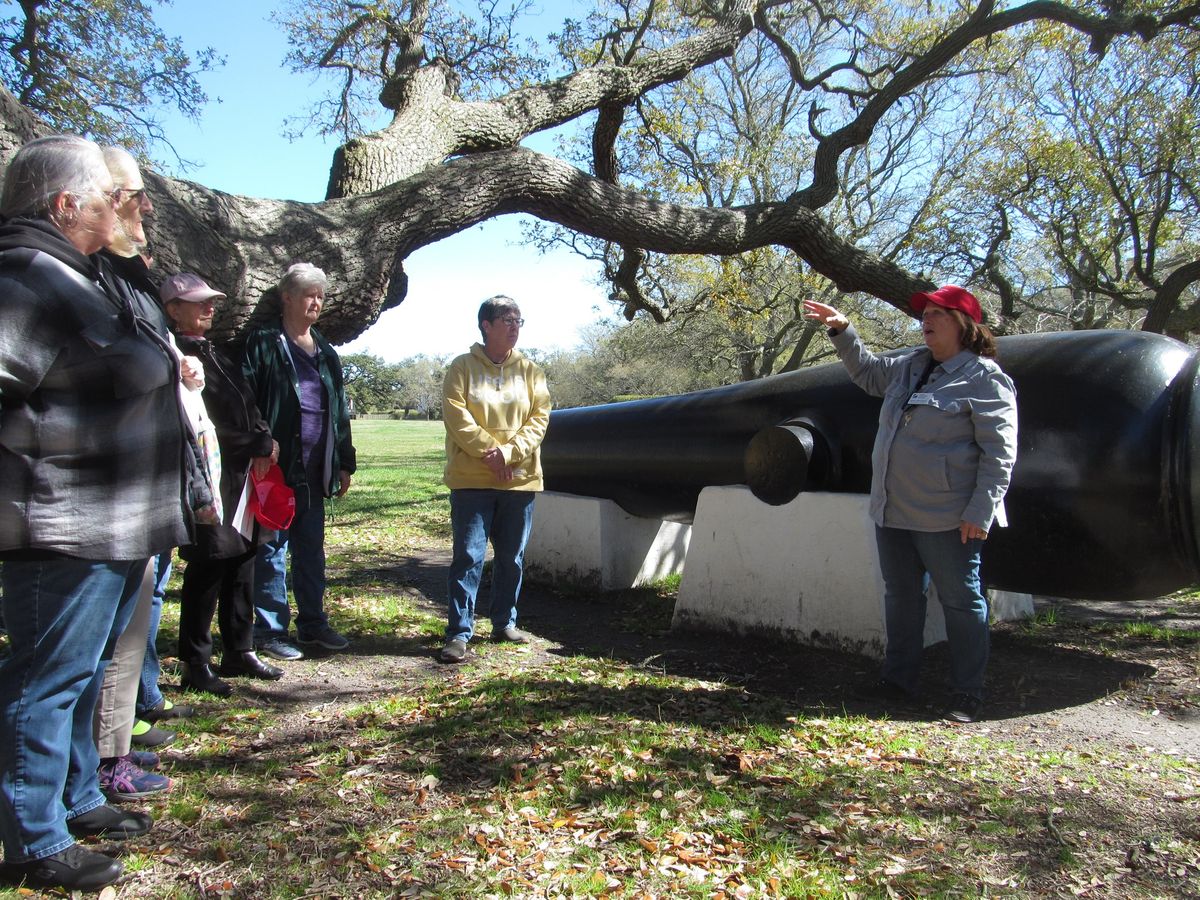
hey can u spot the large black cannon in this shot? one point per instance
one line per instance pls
(1104, 496)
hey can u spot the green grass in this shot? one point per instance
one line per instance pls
(397, 493)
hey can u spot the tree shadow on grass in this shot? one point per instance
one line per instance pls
(1028, 671)
(597, 756)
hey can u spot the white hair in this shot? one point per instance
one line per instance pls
(301, 276)
(46, 167)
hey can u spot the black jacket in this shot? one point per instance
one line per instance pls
(242, 435)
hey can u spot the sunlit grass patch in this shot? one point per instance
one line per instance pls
(623, 771)
(397, 498)
(1150, 631)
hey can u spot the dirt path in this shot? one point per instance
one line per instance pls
(1060, 685)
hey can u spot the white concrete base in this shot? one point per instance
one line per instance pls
(1008, 606)
(594, 543)
(807, 571)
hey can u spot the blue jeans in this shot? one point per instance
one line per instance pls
(305, 542)
(149, 696)
(476, 516)
(908, 560)
(64, 616)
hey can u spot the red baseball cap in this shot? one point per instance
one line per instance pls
(949, 297)
(271, 500)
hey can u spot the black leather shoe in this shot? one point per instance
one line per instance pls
(76, 869)
(111, 822)
(167, 710)
(246, 663)
(201, 677)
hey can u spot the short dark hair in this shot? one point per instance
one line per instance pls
(494, 307)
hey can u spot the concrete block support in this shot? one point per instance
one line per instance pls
(807, 571)
(594, 543)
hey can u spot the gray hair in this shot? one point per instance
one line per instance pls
(123, 168)
(300, 277)
(494, 307)
(120, 164)
(46, 167)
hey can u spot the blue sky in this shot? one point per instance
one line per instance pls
(237, 147)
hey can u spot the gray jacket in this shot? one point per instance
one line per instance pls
(91, 438)
(945, 454)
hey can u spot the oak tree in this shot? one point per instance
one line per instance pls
(450, 157)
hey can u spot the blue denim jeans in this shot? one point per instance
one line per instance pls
(64, 616)
(304, 542)
(149, 696)
(476, 516)
(908, 560)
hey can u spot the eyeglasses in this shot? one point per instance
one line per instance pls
(137, 195)
(510, 320)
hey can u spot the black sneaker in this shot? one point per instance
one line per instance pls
(147, 735)
(75, 869)
(323, 637)
(167, 710)
(279, 648)
(110, 822)
(964, 708)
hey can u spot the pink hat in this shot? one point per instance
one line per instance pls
(271, 500)
(949, 297)
(186, 286)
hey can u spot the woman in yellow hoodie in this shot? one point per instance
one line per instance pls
(495, 407)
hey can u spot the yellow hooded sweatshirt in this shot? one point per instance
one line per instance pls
(485, 405)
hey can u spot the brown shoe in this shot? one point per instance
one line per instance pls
(510, 635)
(455, 651)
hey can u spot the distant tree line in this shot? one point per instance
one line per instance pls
(408, 389)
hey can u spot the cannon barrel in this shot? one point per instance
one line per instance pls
(1103, 498)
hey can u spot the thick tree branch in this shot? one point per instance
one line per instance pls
(241, 245)
(430, 125)
(1166, 298)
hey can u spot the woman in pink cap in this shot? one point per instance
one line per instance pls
(220, 568)
(942, 460)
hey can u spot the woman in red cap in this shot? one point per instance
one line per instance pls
(941, 464)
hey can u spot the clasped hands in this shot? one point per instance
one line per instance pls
(494, 460)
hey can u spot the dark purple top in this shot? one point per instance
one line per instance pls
(314, 413)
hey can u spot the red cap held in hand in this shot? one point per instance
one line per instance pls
(271, 500)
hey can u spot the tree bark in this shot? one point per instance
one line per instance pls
(431, 125)
(242, 245)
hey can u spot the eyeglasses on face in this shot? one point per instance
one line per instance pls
(510, 320)
(138, 195)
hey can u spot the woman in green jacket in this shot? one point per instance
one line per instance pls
(298, 386)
